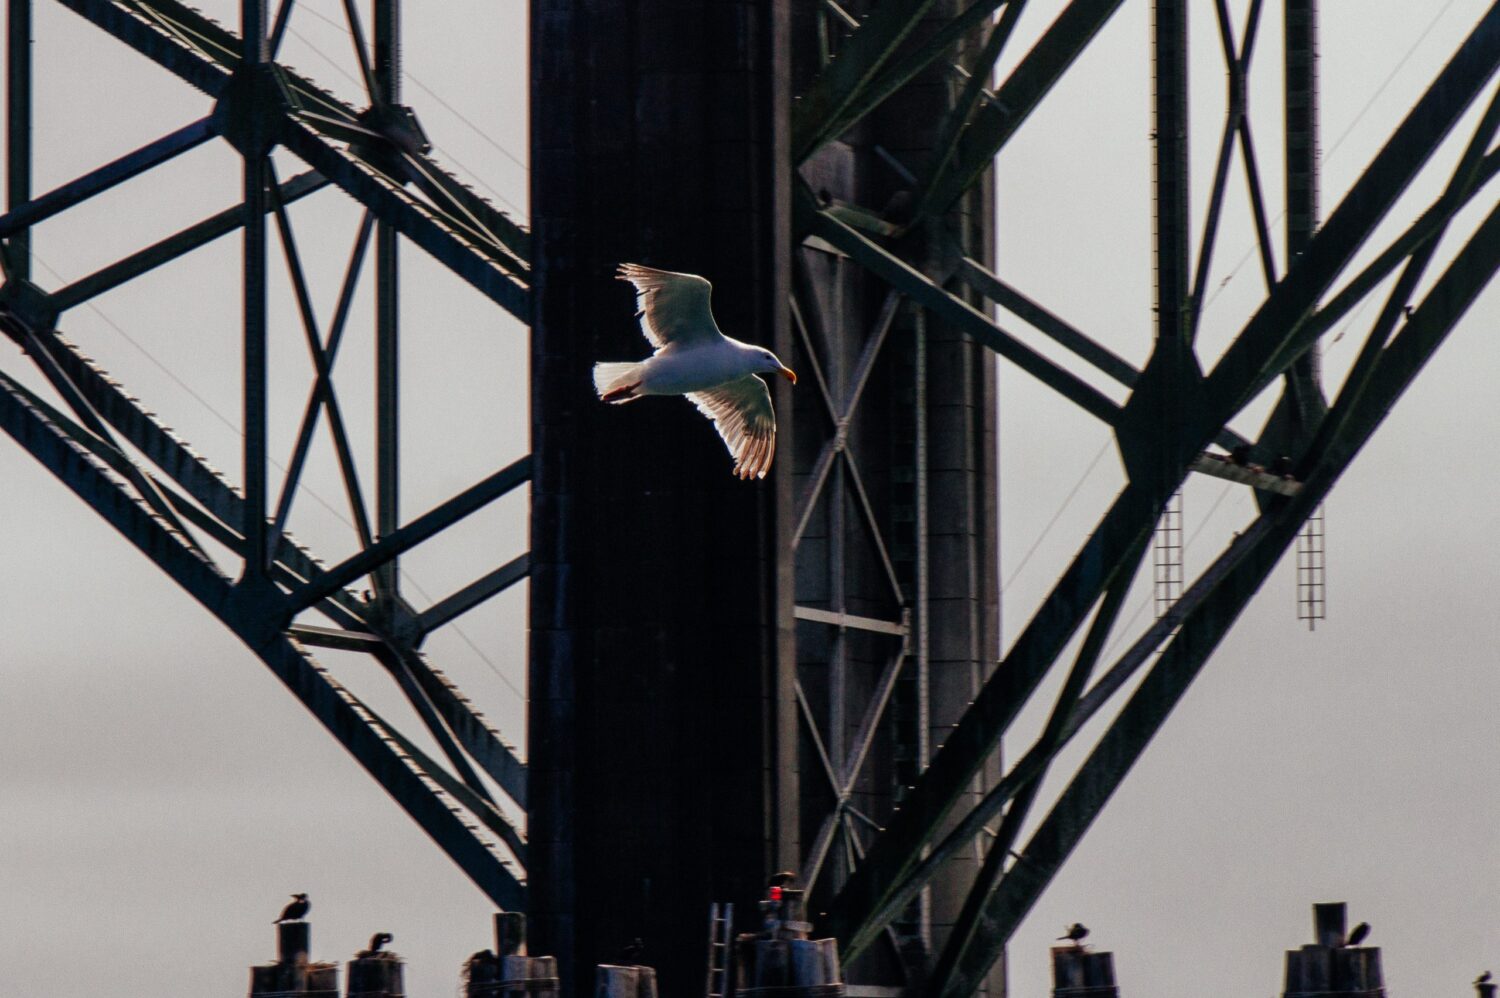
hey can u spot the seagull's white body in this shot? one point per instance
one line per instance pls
(694, 358)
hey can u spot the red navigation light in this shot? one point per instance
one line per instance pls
(775, 893)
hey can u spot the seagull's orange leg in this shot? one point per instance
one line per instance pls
(624, 393)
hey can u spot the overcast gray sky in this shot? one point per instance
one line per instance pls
(162, 792)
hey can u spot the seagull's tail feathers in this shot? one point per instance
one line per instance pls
(618, 382)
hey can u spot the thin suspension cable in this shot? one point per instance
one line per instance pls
(1062, 508)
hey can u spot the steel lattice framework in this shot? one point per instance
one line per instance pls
(920, 264)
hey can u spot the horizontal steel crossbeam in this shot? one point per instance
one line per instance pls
(205, 55)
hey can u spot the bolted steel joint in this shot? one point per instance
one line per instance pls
(402, 132)
(25, 308)
(252, 110)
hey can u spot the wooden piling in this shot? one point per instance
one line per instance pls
(293, 941)
(293, 973)
(1330, 922)
(511, 976)
(614, 981)
(780, 961)
(1328, 967)
(510, 933)
(1082, 973)
(379, 975)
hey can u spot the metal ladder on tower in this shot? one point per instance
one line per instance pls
(720, 937)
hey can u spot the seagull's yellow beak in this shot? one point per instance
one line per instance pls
(788, 374)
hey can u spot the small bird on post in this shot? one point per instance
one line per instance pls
(377, 943)
(693, 358)
(1076, 933)
(1357, 934)
(1484, 978)
(296, 910)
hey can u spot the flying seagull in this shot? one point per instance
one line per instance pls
(1357, 934)
(1075, 935)
(693, 358)
(296, 909)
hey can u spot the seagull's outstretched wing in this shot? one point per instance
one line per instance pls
(742, 413)
(673, 307)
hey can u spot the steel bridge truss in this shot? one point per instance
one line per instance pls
(176, 509)
(166, 500)
(1173, 413)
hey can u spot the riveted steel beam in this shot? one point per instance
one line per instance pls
(1015, 99)
(16, 255)
(969, 929)
(475, 593)
(174, 246)
(1203, 628)
(434, 521)
(1240, 373)
(460, 228)
(845, 78)
(370, 742)
(895, 851)
(960, 314)
(810, 132)
(110, 175)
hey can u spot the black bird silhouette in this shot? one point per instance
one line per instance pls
(1075, 935)
(1483, 978)
(295, 910)
(1357, 934)
(631, 952)
(377, 942)
(1240, 455)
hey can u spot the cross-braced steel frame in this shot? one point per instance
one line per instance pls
(924, 277)
(1174, 410)
(226, 544)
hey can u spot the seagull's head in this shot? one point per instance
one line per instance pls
(766, 362)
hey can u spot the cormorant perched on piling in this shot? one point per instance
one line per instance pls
(1075, 935)
(377, 942)
(1357, 934)
(1483, 978)
(295, 910)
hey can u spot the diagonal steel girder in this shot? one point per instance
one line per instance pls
(217, 508)
(1015, 99)
(205, 54)
(380, 752)
(1242, 372)
(1202, 629)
